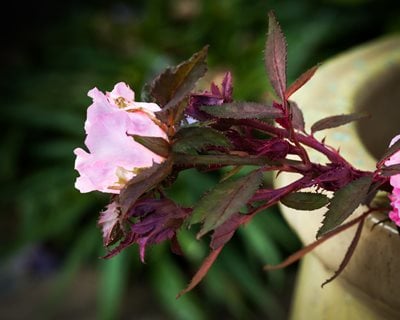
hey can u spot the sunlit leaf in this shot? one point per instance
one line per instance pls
(305, 200)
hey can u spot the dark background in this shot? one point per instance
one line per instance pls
(52, 54)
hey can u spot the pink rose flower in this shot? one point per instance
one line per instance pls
(114, 157)
(394, 214)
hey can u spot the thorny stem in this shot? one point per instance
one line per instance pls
(307, 140)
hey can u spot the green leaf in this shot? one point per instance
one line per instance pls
(192, 139)
(336, 121)
(226, 199)
(243, 110)
(144, 181)
(344, 202)
(275, 56)
(305, 200)
(158, 145)
(173, 86)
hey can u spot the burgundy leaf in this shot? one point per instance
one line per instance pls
(143, 182)
(200, 274)
(224, 232)
(275, 57)
(336, 121)
(227, 87)
(349, 253)
(300, 81)
(389, 152)
(174, 85)
(297, 116)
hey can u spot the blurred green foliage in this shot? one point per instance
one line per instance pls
(55, 55)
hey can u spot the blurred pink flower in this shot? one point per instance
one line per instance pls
(394, 215)
(114, 157)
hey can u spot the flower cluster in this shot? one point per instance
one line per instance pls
(137, 149)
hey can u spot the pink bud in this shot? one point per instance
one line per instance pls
(114, 157)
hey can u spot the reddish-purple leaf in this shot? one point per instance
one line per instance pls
(227, 87)
(336, 121)
(297, 116)
(349, 253)
(200, 274)
(243, 110)
(300, 81)
(224, 232)
(275, 56)
(389, 152)
(174, 85)
(344, 202)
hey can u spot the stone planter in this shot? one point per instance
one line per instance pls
(364, 79)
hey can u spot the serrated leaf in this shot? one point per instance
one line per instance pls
(225, 231)
(275, 56)
(391, 170)
(157, 145)
(243, 110)
(172, 86)
(143, 182)
(297, 116)
(344, 202)
(226, 199)
(300, 81)
(192, 139)
(336, 121)
(305, 200)
(389, 152)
